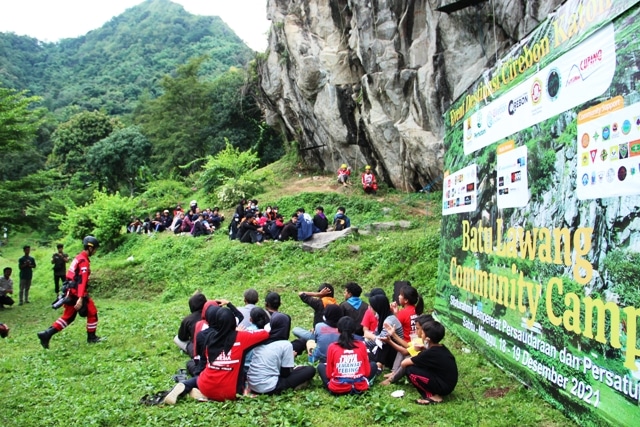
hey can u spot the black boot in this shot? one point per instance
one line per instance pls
(45, 336)
(92, 338)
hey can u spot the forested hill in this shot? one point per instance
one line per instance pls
(110, 67)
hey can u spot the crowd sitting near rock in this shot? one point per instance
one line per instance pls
(351, 341)
(249, 224)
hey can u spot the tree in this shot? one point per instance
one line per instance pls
(117, 159)
(177, 122)
(19, 120)
(73, 138)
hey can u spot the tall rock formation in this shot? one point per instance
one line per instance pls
(367, 81)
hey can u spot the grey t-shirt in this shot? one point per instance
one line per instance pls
(246, 310)
(266, 362)
(393, 321)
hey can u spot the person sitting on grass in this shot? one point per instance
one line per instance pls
(186, 333)
(404, 348)
(6, 287)
(317, 301)
(383, 353)
(348, 369)
(325, 333)
(341, 220)
(369, 183)
(343, 174)
(272, 366)
(224, 350)
(353, 306)
(412, 306)
(290, 229)
(320, 221)
(433, 372)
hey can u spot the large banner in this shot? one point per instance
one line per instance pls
(540, 255)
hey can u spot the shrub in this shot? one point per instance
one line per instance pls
(103, 218)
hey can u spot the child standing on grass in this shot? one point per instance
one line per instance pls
(433, 372)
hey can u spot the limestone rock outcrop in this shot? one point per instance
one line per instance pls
(368, 81)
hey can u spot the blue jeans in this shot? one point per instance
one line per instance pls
(303, 333)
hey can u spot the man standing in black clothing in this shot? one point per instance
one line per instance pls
(26, 264)
(59, 261)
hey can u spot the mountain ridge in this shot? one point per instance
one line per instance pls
(112, 66)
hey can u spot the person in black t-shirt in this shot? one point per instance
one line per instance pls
(433, 372)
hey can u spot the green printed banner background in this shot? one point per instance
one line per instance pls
(540, 256)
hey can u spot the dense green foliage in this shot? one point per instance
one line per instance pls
(119, 158)
(180, 77)
(110, 67)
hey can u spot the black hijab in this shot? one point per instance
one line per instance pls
(280, 327)
(223, 333)
(380, 304)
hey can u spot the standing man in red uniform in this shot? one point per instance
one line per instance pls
(78, 300)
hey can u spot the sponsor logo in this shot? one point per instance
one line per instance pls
(585, 140)
(606, 132)
(626, 127)
(634, 148)
(553, 84)
(536, 91)
(610, 174)
(613, 153)
(585, 179)
(604, 154)
(623, 151)
(622, 173)
(591, 60)
(585, 159)
(514, 104)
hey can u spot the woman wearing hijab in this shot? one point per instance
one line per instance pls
(384, 354)
(223, 352)
(271, 370)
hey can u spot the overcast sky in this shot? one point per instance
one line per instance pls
(52, 20)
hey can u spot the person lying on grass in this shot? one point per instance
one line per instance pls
(433, 372)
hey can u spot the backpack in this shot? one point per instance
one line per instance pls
(340, 224)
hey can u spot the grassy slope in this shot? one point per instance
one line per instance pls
(141, 303)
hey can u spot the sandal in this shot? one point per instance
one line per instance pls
(154, 399)
(427, 401)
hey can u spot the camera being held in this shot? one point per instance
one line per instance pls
(62, 300)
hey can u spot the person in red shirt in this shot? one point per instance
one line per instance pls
(223, 350)
(348, 369)
(77, 299)
(343, 174)
(369, 183)
(370, 321)
(412, 306)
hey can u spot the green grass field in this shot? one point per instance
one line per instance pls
(142, 302)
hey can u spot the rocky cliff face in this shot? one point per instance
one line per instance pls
(367, 81)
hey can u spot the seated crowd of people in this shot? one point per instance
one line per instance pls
(236, 351)
(194, 222)
(250, 224)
